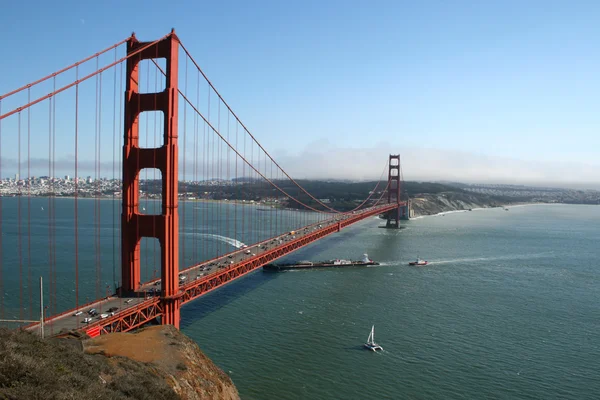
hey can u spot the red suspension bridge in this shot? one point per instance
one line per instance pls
(191, 178)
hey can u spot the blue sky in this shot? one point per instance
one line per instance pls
(512, 82)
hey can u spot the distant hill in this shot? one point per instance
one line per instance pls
(345, 196)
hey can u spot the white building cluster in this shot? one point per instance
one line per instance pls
(44, 186)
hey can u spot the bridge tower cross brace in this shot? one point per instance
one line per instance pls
(393, 216)
(134, 225)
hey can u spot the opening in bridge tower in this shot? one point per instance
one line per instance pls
(393, 216)
(164, 227)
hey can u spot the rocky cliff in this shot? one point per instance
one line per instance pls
(158, 362)
(175, 357)
(429, 204)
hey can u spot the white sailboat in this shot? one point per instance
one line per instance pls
(371, 345)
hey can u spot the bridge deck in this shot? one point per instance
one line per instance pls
(144, 306)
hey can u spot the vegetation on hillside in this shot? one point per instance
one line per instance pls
(339, 195)
(31, 368)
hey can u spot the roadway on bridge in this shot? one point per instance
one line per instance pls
(69, 321)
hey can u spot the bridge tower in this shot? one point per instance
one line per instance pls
(393, 216)
(164, 226)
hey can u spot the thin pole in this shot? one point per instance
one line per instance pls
(41, 308)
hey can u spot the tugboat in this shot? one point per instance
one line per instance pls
(418, 262)
(321, 264)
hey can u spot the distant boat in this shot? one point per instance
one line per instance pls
(366, 261)
(371, 345)
(42, 208)
(418, 262)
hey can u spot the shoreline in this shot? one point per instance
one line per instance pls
(503, 207)
(269, 206)
(244, 203)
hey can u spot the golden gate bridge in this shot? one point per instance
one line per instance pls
(171, 126)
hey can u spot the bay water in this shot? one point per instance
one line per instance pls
(507, 308)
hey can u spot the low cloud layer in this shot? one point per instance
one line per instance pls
(428, 164)
(322, 160)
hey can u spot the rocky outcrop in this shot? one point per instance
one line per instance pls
(429, 204)
(155, 363)
(172, 356)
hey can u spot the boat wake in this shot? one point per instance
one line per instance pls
(381, 264)
(477, 259)
(231, 241)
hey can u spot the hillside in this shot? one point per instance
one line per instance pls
(155, 363)
(341, 196)
(429, 204)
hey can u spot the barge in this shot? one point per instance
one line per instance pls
(366, 261)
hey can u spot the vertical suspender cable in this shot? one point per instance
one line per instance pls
(205, 222)
(76, 194)
(195, 178)
(214, 179)
(204, 216)
(114, 204)
(29, 283)
(50, 186)
(53, 211)
(218, 180)
(251, 206)
(99, 188)
(209, 174)
(259, 185)
(237, 188)
(277, 205)
(244, 182)
(228, 179)
(96, 134)
(273, 225)
(19, 245)
(268, 197)
(262, 222)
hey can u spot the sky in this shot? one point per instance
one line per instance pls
(480, 91)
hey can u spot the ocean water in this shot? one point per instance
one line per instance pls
(508, 308)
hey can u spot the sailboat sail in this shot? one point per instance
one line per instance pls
(371, 338)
